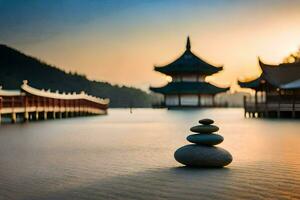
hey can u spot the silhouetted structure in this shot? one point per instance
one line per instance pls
(31, 103)
(188, 87)
(277, 91)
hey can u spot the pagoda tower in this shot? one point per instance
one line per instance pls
(188, 87)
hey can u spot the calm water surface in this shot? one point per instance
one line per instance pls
(130, 156)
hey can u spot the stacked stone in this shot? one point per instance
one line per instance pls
(203, 153)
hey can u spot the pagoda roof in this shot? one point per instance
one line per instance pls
(281, 74)
(291, 85)
(253, 84)
(188, 62)
(285, 75)
(189, 88)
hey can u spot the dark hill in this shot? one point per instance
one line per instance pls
(16, 67)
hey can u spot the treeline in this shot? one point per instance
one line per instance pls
(16, 67)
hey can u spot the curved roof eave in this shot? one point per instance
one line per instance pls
(291, 85)
(254, 83)
(281, 74)
(188, 88)
(26, 88)
(194, 65)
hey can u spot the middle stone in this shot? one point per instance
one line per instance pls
(205, 129)
(205, 139)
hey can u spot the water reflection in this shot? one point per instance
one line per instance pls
(186, 183)
(125, 155)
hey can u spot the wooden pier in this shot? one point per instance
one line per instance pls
(280, 108)
(277, 91)
(33, 104)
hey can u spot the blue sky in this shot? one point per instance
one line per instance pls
(118, 41)
(33, 20)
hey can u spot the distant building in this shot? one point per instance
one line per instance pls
(277, 91)
(188, 87)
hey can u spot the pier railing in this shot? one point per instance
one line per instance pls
(274, 106)
(30, 103)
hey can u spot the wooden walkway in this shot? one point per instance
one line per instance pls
(274, 109)
(33, 104)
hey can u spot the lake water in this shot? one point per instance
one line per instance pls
(130, 156)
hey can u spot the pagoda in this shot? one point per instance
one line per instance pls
(188, 87)
(277, 91)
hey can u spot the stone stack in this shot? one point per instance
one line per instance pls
(203, 153)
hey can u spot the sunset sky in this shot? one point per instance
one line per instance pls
(120, 41)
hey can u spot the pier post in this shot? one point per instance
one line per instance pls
(13, 117)
(279, 99)
(293, 109)
(245, 111)
(255, 104)
(25, 104)
(36, 115)
(266, 113)
(0, 107)
(45, 115)
(213, 101)
(13, 114)
(67, 108)
(26, 116)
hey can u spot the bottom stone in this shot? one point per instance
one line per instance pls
(203, 156)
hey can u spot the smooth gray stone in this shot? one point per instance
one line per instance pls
(205, 139)
(204, 129)
(203, 156)
(206, 121)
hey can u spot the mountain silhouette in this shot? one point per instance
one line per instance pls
(15, 67)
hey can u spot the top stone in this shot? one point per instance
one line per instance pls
(206, 121)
